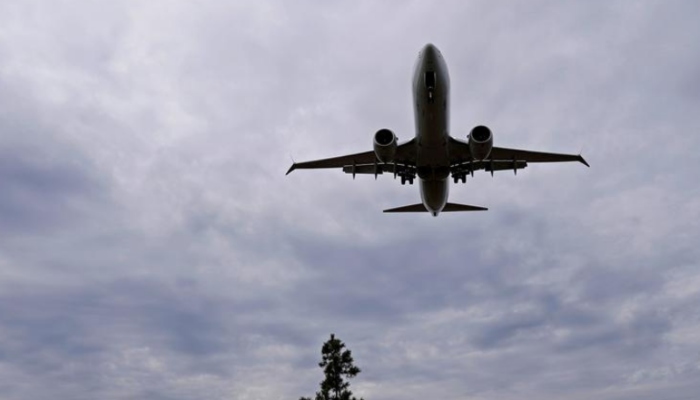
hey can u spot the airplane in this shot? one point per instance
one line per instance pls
(433, 155)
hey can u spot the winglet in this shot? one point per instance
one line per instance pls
(292, 168)
(580, 158)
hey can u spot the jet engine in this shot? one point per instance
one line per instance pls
(385, 145)
(480, 142)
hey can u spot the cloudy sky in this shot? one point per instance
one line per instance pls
(151, 246)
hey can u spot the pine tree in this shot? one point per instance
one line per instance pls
(337, 365)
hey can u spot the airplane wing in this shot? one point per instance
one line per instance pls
(405, 155)
(502, 153)
(459, 153)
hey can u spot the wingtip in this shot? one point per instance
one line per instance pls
(583, 161)
(292, 168)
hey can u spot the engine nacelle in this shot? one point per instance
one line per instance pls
(480, 142)
(385, 145)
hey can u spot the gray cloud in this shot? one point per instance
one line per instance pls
(153, 248)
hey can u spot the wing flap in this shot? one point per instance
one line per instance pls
(488, 165)
(379, 168)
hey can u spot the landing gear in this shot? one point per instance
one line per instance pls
(407, 176)
(460, 172)
(459, 176)
(406, 172)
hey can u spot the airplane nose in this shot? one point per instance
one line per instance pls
(430, 52)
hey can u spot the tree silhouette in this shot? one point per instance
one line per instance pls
(337, 365)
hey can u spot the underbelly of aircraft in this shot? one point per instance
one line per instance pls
(433, 162)
(434, 193)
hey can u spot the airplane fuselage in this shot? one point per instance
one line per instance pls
(431, 106)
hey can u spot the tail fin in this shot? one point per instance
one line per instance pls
(449, 207)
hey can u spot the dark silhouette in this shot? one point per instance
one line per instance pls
(337, 365)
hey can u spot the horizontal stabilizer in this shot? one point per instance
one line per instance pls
(412, 208)
(462, 207)
(449, 207)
